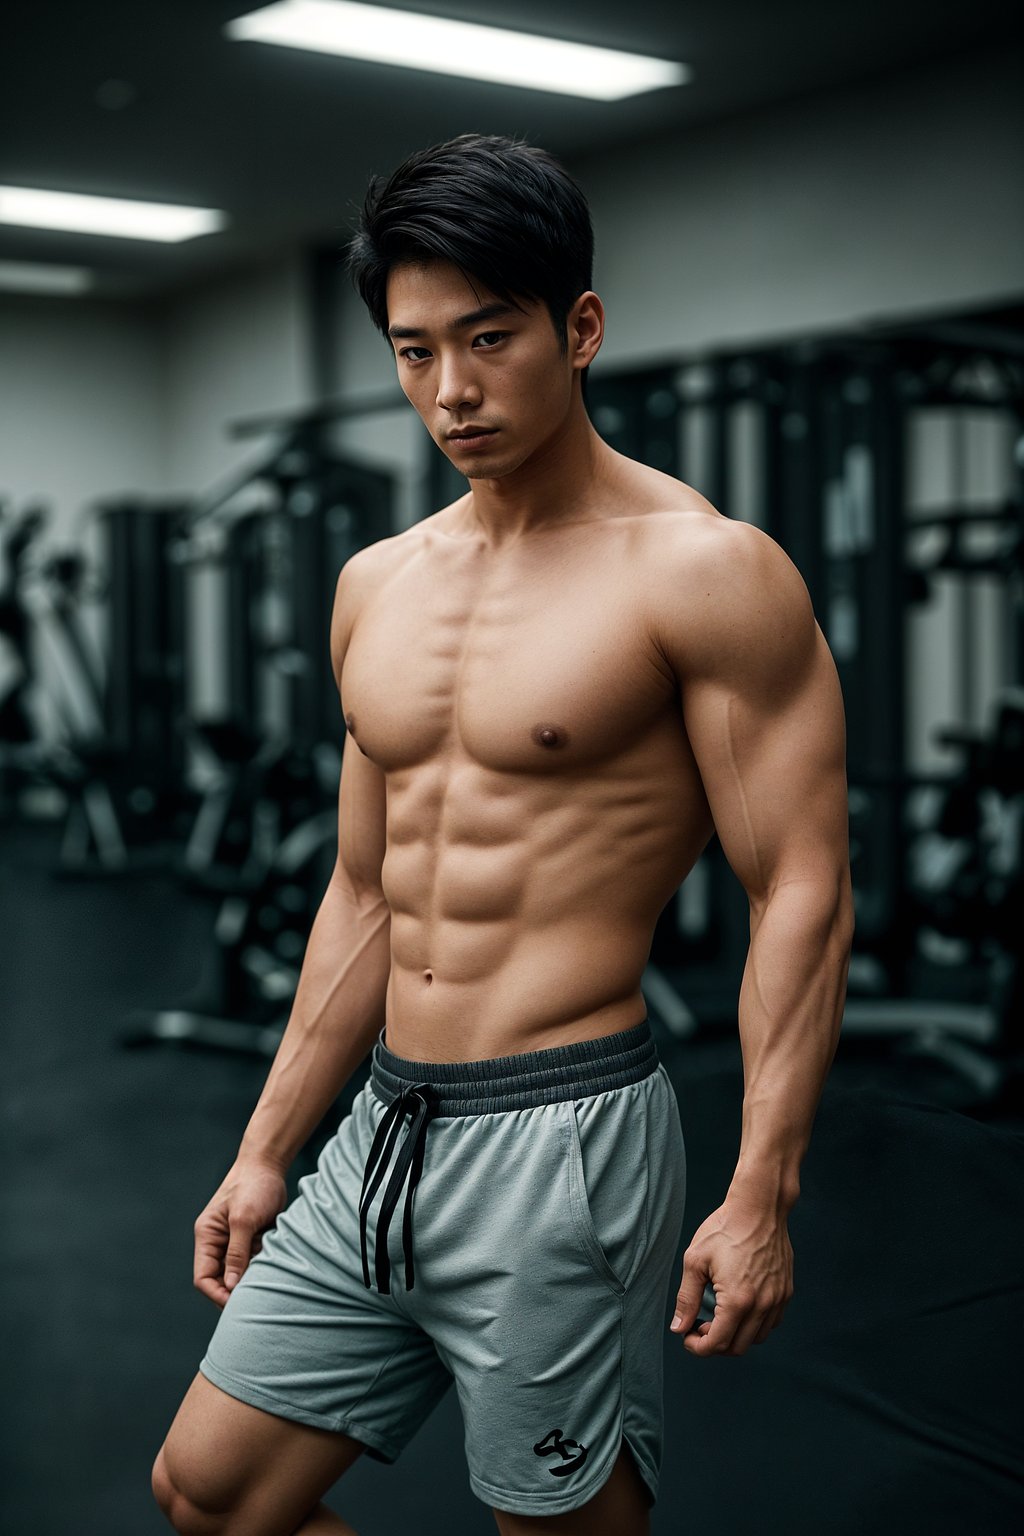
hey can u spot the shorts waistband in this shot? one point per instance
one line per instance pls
(523, 1080)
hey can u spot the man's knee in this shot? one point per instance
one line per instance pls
(184, 1515)
(160, 1482)
(163, 1488)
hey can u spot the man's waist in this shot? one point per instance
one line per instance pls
(522, 1079)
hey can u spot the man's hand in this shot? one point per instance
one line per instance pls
(743, 1248)
(228, 1231)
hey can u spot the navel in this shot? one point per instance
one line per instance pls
(549, 736)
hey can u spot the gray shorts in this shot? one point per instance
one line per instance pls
(512, 1225)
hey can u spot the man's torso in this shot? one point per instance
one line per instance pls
(543, 802)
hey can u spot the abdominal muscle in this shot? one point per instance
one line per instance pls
(522, 913)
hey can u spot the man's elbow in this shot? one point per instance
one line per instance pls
(360, 886)
(819, 900)
(843, 921)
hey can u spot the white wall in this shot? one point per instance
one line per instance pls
(233, 348)
(906, 194)
(107, 399)
(104, 398)
(903, 195)
(899, 196)
(80, 420)
(80, 402)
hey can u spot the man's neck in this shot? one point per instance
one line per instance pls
(566, 478)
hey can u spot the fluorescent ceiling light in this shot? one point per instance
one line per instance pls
(414, 41)
(43, 277)
(106, 215)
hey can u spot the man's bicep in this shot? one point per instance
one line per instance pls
(362, 820)
(772, 757)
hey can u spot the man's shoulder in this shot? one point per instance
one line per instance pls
(673, 519)
(691, 542)
(380, 558)
(375, 561)
(724, 593)
(365, 572)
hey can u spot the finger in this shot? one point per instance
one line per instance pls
(695, 1342)
(239, 1249)
(206, 1271)
(748, 1332)
(773, 1319)
(688, 1297)
(214, 1291)
(765, 1328)
(210, 1242)
(720, 1332)
(757, 1333)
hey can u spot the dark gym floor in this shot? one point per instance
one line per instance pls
(889, 1399)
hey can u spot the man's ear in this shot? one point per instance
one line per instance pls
(585, 326)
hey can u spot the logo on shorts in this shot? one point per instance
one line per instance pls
(553, 1444)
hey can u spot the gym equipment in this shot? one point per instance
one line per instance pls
(265, 833)
(123, 776)
(113, 745)
(55, 708)
(18, 728)
(274, 542)
(813, 440)
(963, 911)
(261, 939)
(18, 537)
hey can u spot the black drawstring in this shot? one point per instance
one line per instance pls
(409, 1160)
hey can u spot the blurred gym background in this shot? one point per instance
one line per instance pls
(810, 252)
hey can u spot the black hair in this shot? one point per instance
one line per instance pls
(501, 210)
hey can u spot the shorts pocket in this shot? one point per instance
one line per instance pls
(609, 1180)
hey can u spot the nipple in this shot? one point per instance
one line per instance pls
(548, 735)
(350, 723)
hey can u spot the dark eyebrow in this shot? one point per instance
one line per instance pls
(487, 312)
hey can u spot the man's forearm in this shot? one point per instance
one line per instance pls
(336, 1016)
(790, 1015)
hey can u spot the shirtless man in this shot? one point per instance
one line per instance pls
(555, 690)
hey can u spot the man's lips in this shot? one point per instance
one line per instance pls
(464, 434)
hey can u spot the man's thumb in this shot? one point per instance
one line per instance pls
(688, 1297)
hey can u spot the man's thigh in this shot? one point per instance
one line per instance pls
(546, 1243)
(303, 1338)
(234, 1463)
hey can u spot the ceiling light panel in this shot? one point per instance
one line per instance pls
(167, 222)
(43, 277)
(413, 41)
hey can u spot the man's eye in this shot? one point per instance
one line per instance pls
(408, 352)
(490, 337)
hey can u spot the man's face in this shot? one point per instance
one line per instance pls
(490, 381)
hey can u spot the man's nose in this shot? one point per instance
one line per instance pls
(456, 386)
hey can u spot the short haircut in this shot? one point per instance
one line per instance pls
(503, 211)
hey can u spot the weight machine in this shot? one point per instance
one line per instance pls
(269, 546)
